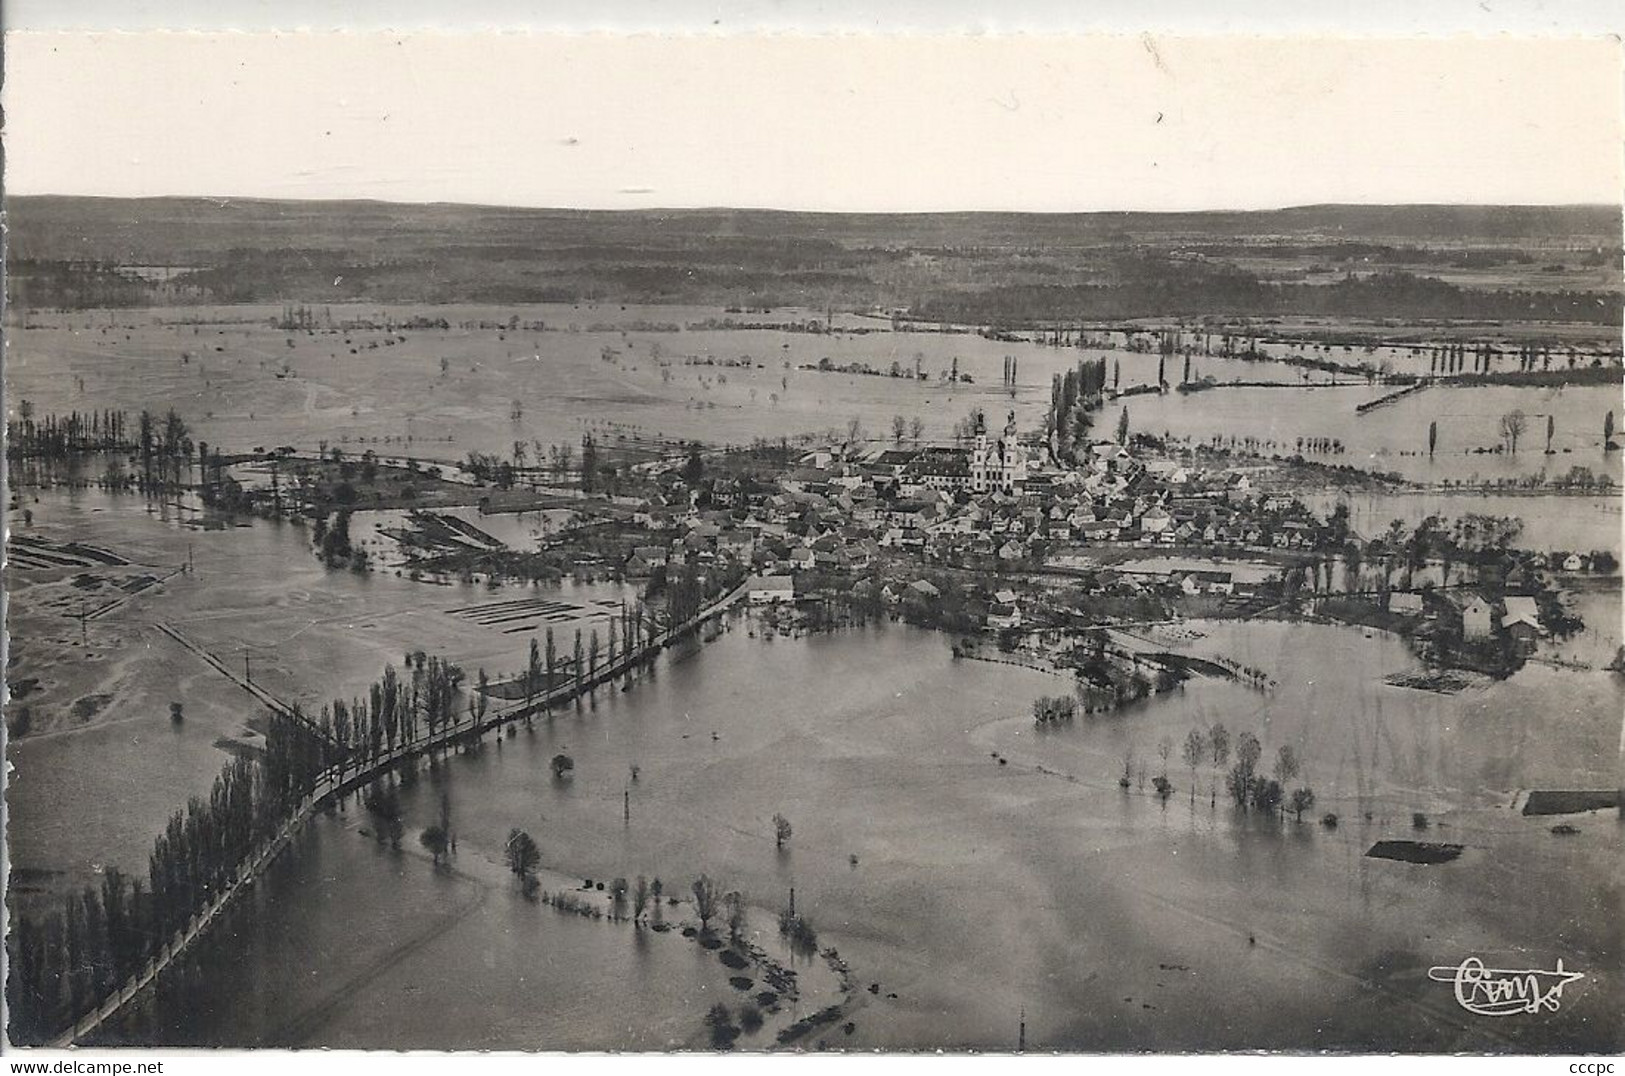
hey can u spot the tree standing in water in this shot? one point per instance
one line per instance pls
(478, 702)
(640, 898)
(522, 855)
(533, 676)
(1513, 423)
(580, 668)
(1194, 751)
(706, 897)
(552, 664)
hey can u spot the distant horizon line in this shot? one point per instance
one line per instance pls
(224, 200)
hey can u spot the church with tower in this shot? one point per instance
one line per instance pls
(987, 466)
(997, 466)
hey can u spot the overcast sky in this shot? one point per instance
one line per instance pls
(849, 123)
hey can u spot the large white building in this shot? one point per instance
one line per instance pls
(998, 466)
(988, 466)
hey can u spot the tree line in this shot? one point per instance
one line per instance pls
(67, 962)
(1073, 395)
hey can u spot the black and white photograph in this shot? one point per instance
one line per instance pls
(774, 543)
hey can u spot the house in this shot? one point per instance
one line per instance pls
(1100, 530)
(1522, 620)
(645, 559)
(1012, 550)
(1476, 616)
(1005, 597)
(1573, 563)
(1204, 581)
(739, 544)
(801, 558)
(1405, 603)
(1155, 521)
(771, 589)
(1001, 616)
(924, 588)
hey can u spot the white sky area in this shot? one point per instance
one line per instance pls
(881, 123)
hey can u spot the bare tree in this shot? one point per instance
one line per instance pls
(706, 896)
(1513, 423)
(1249, 750)
(1218, 738)
(1194, 751)
(1286, 764)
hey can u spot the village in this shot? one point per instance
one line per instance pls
(994, 540)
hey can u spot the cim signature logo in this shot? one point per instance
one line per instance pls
(1502, 991)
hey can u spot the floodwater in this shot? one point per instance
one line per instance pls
(1394, 437)
(440, 394)
(258, 599)
(348, 944)
(977, 890)
(1568, 523)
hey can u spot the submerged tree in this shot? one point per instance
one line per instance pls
(707, 894)
(640, 898)
(1513, 423)
(721, 1025)
(1218, 738)
(1193, 753)
(434, 842)
(521, 854)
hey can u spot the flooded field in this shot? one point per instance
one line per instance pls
(1549, 522)
(974, 889)
(107, 764)
(1394, 437)
(437, 960)
(441, 393)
